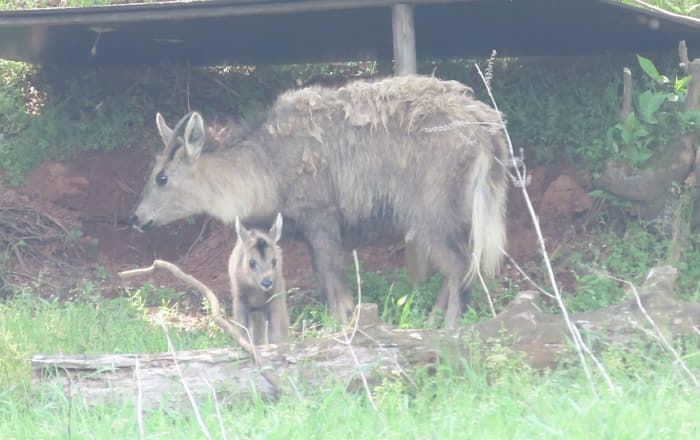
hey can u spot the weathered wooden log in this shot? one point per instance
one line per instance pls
(379, 349)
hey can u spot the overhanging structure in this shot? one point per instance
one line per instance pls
(284, 31)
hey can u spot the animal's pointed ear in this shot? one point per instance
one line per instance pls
(166, 133)
(241, 231)
(195, 135)
(276, 229)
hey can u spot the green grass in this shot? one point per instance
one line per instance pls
(450, 405)
(449, 409)
(89, 325)
(495, 395)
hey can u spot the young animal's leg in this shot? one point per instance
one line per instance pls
(258, 326)
(241, 314)
(327, 257)
(278, 319)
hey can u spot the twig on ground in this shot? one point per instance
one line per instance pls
(526, 276)
(486, 289)
(348, 339)
(218, 409)
(195, 408)
(139, 397)
(658, 333)
(215, 313)
(359, 294)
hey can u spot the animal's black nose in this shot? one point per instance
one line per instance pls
(148, 226)
(266, 283)
(136, 223)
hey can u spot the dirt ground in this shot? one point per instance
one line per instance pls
(89, 199)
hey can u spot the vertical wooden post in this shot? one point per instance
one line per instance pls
(404, 39)
(416, 259)
(626, 94)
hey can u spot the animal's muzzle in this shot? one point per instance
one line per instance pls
(136, 223)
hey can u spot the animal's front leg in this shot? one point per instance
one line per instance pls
(327, 257)
(241, 315)
(278, 319)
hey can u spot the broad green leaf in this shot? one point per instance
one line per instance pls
(648, 67)
(649, 104)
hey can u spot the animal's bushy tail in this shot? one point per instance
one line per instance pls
(489, 184)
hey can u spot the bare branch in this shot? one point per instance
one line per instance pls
(139, 399)
(486, 289)
(195, 408)
(526, 276)
(659, 334)
(578, 341)
(348, 340)
(218, 409)
(215, 312)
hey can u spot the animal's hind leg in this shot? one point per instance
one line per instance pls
(328, 260)
(454, 294)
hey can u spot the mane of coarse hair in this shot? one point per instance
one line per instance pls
(405, 100)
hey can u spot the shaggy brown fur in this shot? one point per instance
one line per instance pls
(257, 285)
(413, 153)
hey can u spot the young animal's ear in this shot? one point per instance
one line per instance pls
(166, 133)
(276, 229)
(194, 136)
(241, 231)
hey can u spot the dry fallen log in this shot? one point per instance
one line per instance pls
(380, 349)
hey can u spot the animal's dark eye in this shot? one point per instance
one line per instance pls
(252, 263)
(273, 262)
(161, 179)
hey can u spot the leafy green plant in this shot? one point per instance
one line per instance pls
(657, 118)
(593, 292)
(148, 295)
(56, 120)
(401, 302)
(688, 284)
(684, 7)
(615, 201)
(73, 235)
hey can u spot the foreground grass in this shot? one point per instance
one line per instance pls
(494, 396)
(449, 406)
(89, 325)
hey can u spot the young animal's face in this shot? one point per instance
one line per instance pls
(173, 191)
(261, 257)
(262, 263)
